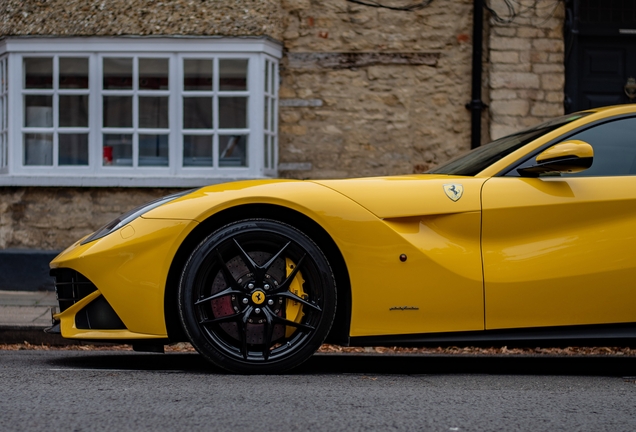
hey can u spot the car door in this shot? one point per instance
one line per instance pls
(562, 250)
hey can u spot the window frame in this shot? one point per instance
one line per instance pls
(259, 51)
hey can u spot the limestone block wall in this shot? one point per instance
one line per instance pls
(363, 91)
(526, 66)
(370, 91)
(54, 218)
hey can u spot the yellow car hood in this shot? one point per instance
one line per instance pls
(410, 195)
(385, 197)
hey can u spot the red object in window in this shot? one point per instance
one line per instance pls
(108, 155)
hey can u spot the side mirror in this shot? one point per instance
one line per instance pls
(567, 157)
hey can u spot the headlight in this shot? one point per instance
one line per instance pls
(126, 218)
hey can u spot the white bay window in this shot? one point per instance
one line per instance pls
(137, 111)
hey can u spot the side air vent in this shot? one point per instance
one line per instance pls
(71, 287)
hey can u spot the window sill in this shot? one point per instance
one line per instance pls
(120, 181)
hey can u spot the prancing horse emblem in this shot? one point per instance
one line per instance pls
(454, 191)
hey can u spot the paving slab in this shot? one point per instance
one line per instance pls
(24, 315)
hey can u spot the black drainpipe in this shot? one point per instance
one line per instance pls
(476, 105)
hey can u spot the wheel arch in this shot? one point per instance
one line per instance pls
(339, 333)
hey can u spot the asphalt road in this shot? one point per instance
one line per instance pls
(86, 391)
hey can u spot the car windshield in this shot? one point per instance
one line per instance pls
(479, 159)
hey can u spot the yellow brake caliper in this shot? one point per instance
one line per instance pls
(294, 310)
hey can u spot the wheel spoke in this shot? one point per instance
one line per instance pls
(243, 330)
(284, 321)
(269, 263)
(284, 286)
(223, 293)
(227, 318)
(259, 271)
(227, 274)
(268, 334)
(249, 262)
(290, 295)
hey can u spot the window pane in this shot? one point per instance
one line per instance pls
(73, 149)
(272, 78)
(153, 150)
(118, 73)
(265, 117)
(74, 111)
(153, 112)
(197, 74)
(232, 75)
(38, 73)
(233, 151)
(197, 150)
(38, 111)
(118, 111)
(38, 149)
(614, 146)
(266, 150)
(197, 113)
(233, 112)
(118, 149)
(266, 75)
(272, 111)
(73, 73)
(153, 74)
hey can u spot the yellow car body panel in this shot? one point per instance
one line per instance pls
(129, 272)
(559, 251)
(432, 291)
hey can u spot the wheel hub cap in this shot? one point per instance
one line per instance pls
(258, 297)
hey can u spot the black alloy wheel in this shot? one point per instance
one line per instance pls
(257, 296)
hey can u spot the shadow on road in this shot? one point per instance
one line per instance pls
(371, 364)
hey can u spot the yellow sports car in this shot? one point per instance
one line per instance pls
(530, 238)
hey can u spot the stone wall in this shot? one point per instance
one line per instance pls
(526, 66)
(54, 218)
(140, 17)
(364, 91)
(346, 113)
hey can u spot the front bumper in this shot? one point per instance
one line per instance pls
(113, 288)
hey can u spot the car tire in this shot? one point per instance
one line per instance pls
(257, 296)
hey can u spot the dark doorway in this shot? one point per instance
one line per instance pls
(600, 56)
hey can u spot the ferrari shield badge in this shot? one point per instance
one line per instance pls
(454, 191)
